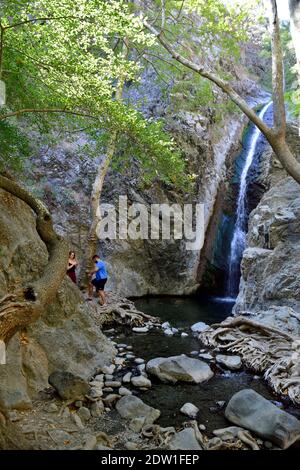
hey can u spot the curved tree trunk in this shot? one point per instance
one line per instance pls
(22, 307)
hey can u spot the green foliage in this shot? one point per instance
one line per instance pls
(208, 32)
(221, 25)
(66, 55)
(191, 92)
(14, 147)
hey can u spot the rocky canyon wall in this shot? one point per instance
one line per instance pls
(270, 280)
(65, 337)
(63, 179)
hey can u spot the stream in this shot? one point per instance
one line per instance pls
(169, 398)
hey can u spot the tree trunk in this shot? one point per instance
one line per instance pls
(22, 307)
(92, 239)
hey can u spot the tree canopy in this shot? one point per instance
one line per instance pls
(61, 61)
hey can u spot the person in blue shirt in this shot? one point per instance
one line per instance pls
(98, 279)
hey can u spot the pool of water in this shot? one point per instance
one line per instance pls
(183, 312)
(169, 398)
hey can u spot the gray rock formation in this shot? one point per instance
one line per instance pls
(270, 270)
(250, 410)
(65, 337)
(179, 369)
(69, 386)
(141, 381)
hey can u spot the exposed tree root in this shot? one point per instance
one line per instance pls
(264, 349)
(122, 311)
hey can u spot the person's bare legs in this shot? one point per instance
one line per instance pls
(90, 290)
(102, 297)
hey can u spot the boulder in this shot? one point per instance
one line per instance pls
(179, 369)
(133, 408)
(68, 385)
(199, 327)
(190, 410)
(231, 362)
(84, 413)
(127, 377)
(228, 434)
(168, 332)
(123, 391)
(140, 329)
(97, 409)
(205, 356)
(250, 410)
(141, 381)
(185, 440)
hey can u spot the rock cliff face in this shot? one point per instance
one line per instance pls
(270, 284)
(65, 337)
(141, 267)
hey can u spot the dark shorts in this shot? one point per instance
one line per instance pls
(99, 284)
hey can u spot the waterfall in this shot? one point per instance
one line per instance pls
(238, 241)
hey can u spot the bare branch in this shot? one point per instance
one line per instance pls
(34, 20)
(155, 70)
(45, 110)
(163, 14)
(277, 72)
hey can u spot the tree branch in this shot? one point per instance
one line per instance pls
(45, 110)
(34, 20)
(1, 49)
(163, 14)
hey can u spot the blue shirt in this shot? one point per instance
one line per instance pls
(101, 273)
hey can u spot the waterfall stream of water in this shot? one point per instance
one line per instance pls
(238, 241)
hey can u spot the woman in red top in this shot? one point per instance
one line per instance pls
(71, 270)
